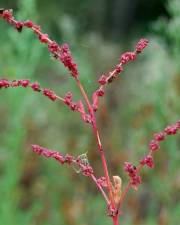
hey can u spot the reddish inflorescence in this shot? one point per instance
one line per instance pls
(48, 153)
(159, 136)
(61, 53)
(26, 83)
(154, 145)
(124, 59)
(132, 171)
(50, 94)
(141, 45)
(77, 106)
(35, 86)
(102, 181)
(148, 160)
(86, 169)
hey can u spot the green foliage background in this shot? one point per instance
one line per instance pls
(37, 191)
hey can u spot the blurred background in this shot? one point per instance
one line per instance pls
(37, 191)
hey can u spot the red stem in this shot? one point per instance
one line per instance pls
(100, 148)
(103, 159)
(116, 220)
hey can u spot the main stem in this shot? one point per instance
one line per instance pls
(100, 148)
(116, 220)
(103, 159)
(101, 151)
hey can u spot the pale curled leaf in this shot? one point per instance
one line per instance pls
(117, 188)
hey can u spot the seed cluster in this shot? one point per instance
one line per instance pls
(4, 83)
(35, 86)
(85, 168)
(132, 172)
(109, 77)
(124, 59)
(77, 106)
(148, 160)
(61, 53)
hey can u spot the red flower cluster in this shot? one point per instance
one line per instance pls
(35, 86)
(4, 83)
(141, 45)
(43, 38)
(161, 136)
(48, 153)
(50, 94)
(148, 160)
(155, 143)
(28, 24)
(26, 83)
(74, 106)
(59, 52)
(124, 59)
(86, 169)
(172, 130)
(95, 98)
(6, 14)
(132, 171)
(66, 59)
(68, 100)
(102, 181)
(102, 80)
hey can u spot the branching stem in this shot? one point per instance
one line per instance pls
(96, 133)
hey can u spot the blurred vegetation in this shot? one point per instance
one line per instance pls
(35, 191)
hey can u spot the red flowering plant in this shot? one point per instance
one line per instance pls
(110, 188)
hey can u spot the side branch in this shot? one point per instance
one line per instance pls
(96, 133)
(112, 75)
(124, 59)
(4, 83)
(35, 86)
(154, 145)
(81, 162)
(61, 53)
